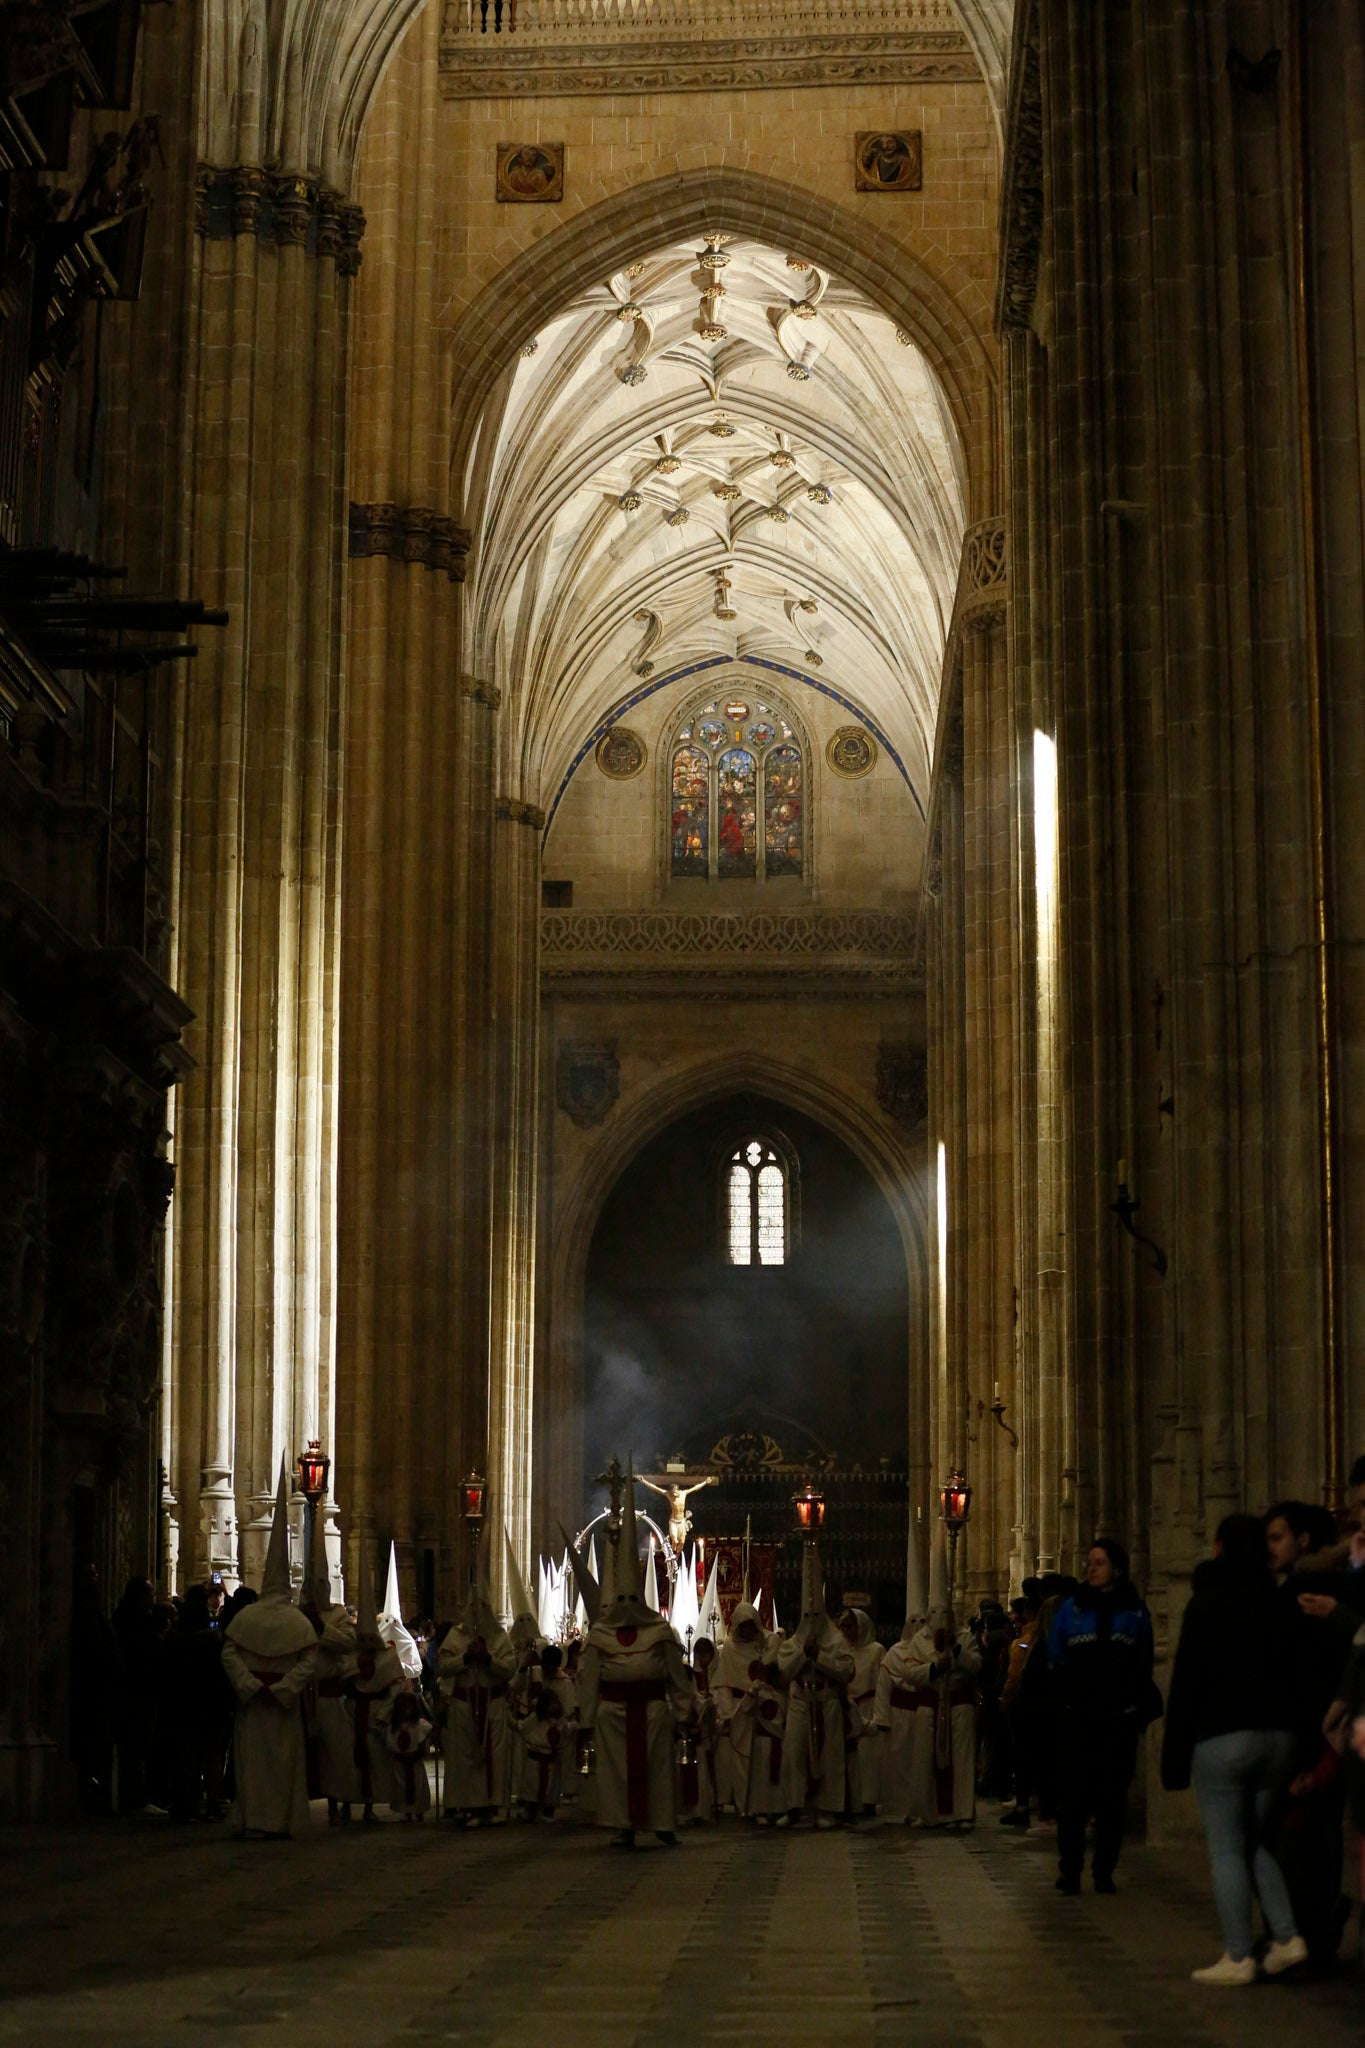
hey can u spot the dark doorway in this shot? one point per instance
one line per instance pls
(682, 1347)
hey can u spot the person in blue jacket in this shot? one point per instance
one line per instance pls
(1099, 1653)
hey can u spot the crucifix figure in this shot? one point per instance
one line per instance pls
(679, 1521)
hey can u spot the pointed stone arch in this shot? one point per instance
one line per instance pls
(894, 1165)
(945, 313)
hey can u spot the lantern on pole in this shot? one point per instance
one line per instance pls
(809, 1509)
(314, 1467)
(472, 1487)
(955, 1503)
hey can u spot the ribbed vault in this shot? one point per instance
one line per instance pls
(722, 448)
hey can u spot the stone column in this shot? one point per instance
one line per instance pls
(255, 872)
(515, 1157)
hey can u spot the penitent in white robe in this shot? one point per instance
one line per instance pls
(738, 1666)
(475, 1672)
(634, 1690)
(864, 1758)
(268, 1749)
(333, 1716)
(813, 1753)
(899, 1730)
(943, 1761)
(757, 1733)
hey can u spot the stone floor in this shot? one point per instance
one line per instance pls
(133, 1933)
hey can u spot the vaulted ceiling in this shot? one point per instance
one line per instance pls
(720, 449)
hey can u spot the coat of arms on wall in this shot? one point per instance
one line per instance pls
(620, 753)
(587, 1081)
(903, 1083)
(887, 161)
(851, 752)
(530, 173)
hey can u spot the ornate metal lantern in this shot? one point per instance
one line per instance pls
(955, 1500)
(314, 1466)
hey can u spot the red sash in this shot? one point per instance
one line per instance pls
(636, 1699)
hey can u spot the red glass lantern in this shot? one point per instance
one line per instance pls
(314, 1466)
(955, 1500)
(809, 1506)
(473, 1497)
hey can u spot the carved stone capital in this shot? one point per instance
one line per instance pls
(284, 208)
(410, 533)
(293, 202)
(487, 694)
(511, 810)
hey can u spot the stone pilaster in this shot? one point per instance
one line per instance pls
(516, 1152)
(256, 878)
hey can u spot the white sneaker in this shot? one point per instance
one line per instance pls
(1282, 1955)
(1226, 1972)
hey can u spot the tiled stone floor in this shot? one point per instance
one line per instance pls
(133, 1933)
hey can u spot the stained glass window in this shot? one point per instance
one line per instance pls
(736, 813)
(757, 1203)
(782, 811)
(690, 811)
(737, 806)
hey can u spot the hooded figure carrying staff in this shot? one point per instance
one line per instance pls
(636, 1696)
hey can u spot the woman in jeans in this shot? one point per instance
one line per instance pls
(1229, 1723)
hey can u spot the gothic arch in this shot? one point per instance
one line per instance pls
(945, 315)
(873, 1142)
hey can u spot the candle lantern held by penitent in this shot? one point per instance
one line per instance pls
(314, 1465)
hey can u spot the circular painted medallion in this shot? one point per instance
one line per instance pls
(620, 753)
(851, 751)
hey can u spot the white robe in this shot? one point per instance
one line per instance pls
(865, 1759)
(943, 1769)
(478, 1726)
(333, 1711)
(697, 1782)
(376, 1678)
(813, 1750)
(634, 1689)
(269, 1754)
(541, 1751)
(757, 1732)
(899, 1730)
(736, 1668)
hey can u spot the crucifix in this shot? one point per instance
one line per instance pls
(679, 1521)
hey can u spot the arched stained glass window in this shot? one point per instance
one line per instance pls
(757, 1205)
(737, 794)
(691, 810)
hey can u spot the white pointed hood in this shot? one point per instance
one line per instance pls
(710, 1620)
(393, 1599)
(589, 1588)
(273, 1626)
(525, 1628)
(685, 1614)
(391, 1628)
(629, 1608)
